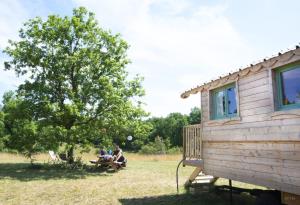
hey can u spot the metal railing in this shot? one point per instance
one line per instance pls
(192, 142)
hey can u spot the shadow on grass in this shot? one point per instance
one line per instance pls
(210, 198)
(25, 172)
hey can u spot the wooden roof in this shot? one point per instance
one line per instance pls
(274, 61)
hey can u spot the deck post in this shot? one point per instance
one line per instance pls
(230, 185)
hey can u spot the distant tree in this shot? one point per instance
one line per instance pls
(156, 147)
(1, 129)
(176, 122)
(169, 128)
(195, 116)
(77, 83)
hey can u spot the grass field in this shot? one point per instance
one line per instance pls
(146, 180)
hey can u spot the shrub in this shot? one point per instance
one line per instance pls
(156, 147)
(174, 150)
(1, 145)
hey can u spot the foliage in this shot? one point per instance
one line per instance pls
(156, 147)
(78, 89)
(21, 131)
(2, 146)
(195, 116)
(174, 150)
(169, 128)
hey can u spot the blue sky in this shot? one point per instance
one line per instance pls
(175, 44)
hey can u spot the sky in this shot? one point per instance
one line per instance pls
(174, 44)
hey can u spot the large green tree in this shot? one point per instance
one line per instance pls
(77, 81)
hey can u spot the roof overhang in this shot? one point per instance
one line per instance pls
(275, 61)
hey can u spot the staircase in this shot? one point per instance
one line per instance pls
(199, 182)
(192, 156)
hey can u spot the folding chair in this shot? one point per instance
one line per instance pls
(53, 156)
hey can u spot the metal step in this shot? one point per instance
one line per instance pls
(203, 179)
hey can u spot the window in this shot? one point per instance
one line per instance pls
(224, 102)
(288, 87)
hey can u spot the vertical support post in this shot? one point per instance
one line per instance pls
(187, 142)
(195, 142)
(201, 136)
(184, 142)
(230, 185)
(199, 142)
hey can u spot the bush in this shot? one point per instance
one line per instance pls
(174, 150)
(148, 149)
(78, 164)
(156, 147)
(2, 146)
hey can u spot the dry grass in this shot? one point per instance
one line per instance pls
(146, 180)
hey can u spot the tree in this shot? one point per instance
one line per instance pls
(1, 129)
(195, 116)
(169, 128)
(21, 132)
(156, 147)
(77, 79)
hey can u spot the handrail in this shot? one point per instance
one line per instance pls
(192, 142)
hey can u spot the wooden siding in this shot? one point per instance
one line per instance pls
(255, 148)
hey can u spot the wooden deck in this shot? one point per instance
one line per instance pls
(193, 162)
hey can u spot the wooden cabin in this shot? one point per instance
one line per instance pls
(250, 126)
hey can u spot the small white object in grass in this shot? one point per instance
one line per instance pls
(129, 138)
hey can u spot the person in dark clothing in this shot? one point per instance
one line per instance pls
(118, 158)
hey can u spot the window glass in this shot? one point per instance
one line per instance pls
(224, 102)
(220, 104)
(231, 100)
(290, 86)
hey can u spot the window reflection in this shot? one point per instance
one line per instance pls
(290, 86)
(232, 109)
(220, 103)
(224, 101)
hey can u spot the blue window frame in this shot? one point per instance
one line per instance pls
(224, 102)
(288, 87)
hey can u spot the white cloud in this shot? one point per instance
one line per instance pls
(12, 16)
(176, 45)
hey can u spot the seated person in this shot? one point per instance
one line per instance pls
(102, 157)
(109, 152)
(118, 159)
(102, 151)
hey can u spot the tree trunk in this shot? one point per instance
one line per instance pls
(70, 155)
(31, 159)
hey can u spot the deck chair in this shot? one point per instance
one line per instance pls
(53, 156)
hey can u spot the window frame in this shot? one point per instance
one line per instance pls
(278, 80)
(213, 99)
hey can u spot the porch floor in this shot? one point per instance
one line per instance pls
(193, 162)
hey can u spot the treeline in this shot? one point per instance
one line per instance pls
(166, 133)
(21, 132)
